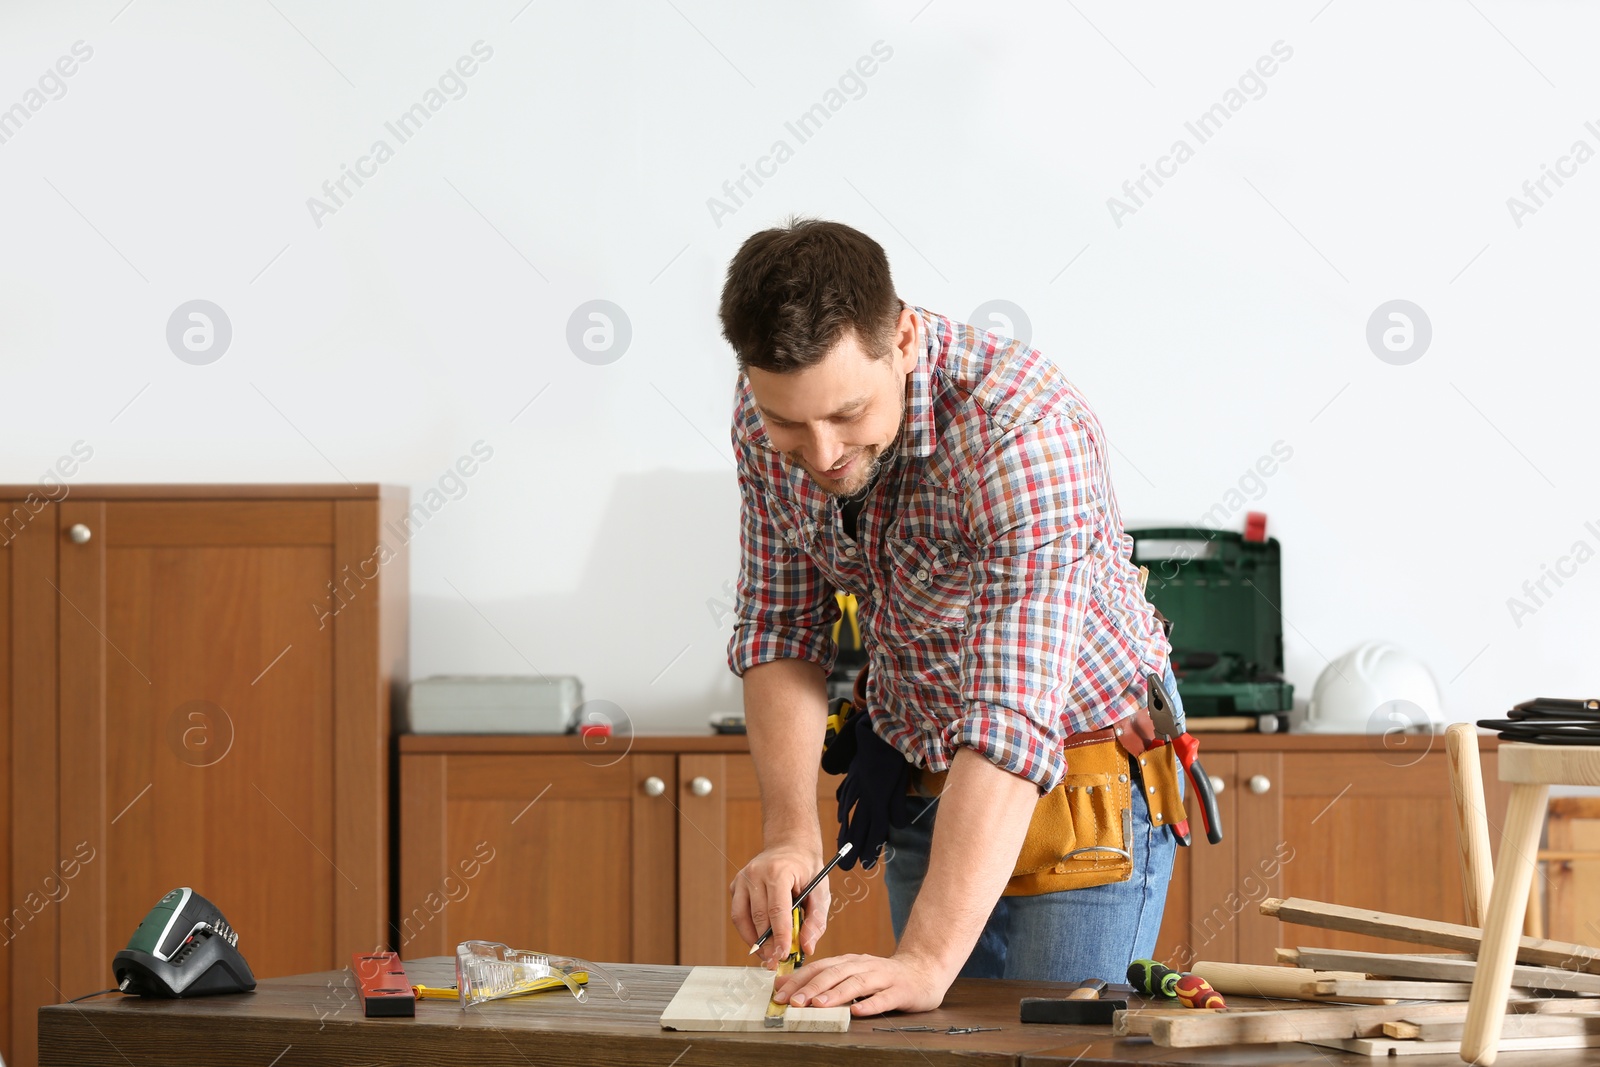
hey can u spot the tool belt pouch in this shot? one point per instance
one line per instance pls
(1163, 783)
(1079, 833)
(1081, 829)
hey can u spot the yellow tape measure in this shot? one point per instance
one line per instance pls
(538, 985)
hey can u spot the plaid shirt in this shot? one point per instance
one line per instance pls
(998, 604)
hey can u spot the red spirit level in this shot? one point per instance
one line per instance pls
(385, 989)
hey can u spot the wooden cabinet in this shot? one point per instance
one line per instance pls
(196, 691)
(591, 860)
(566, 853)
(622, 857)
(1345, 819)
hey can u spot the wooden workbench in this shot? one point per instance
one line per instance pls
(314, 1019)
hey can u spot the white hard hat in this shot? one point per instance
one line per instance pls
(1375, 688)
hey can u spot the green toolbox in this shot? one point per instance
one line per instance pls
(1223, 595)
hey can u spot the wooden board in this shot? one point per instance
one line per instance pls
(1417, 931)
(1431, 968)
(1232, 1027)
(1385, 1046)
(1543, 1025)
(1341, 988)
(735, 998)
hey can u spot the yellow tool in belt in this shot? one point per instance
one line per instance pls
(847, 613)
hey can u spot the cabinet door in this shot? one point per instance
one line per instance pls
(1203, 901)
(1369, 829)
(199, 681)
(571, 855)
(719, 831)
(29, 974)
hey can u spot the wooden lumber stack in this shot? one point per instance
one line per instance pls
(1382, 1004)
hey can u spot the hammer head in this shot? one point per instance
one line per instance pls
(1071, 1012)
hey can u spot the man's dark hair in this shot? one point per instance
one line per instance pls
(792, 292)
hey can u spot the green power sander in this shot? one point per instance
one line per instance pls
(183, 948)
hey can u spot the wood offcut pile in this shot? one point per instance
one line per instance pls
(1386, 1003)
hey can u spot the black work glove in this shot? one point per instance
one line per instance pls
(872, 797)
(839, 752)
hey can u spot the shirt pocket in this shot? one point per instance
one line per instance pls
(929, 584)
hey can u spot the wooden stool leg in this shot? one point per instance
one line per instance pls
(1472, 819)
(1502, 931)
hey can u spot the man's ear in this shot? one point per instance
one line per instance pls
(905, 342)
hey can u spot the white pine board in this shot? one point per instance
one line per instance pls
(736, 998)
(1388, 1046)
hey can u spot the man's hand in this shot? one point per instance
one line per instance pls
(764, 892)
(898, 983)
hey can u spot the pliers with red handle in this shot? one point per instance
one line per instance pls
(1187, 748)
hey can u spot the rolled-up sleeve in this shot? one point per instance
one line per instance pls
(1031, 507)
(785, 606)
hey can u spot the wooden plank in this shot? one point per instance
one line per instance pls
(1382, 1046)
(735, 998)
(1417, 931)
(1138, 1022)
(1194, 1029)
(1290, 957)
(1344, 988)
(1545, 1024)
(1433, 968)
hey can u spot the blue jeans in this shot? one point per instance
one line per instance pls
(1060, 937)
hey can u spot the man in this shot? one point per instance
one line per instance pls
(956, 483)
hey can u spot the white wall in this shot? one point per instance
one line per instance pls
(1225, 314)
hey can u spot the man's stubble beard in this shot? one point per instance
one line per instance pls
(880, 455)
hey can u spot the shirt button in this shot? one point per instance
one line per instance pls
(922, 575)
(877, 594)
(850, 550)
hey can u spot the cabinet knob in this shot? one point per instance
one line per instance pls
(654, 787)
(700, 786)
(79, 533)
(1259, 784)
(1217, 784)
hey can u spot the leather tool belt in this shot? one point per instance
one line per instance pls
(1081, 832)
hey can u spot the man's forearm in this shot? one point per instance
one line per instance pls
(983, 817)
(785, 712)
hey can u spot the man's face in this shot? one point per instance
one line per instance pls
(835, 419)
